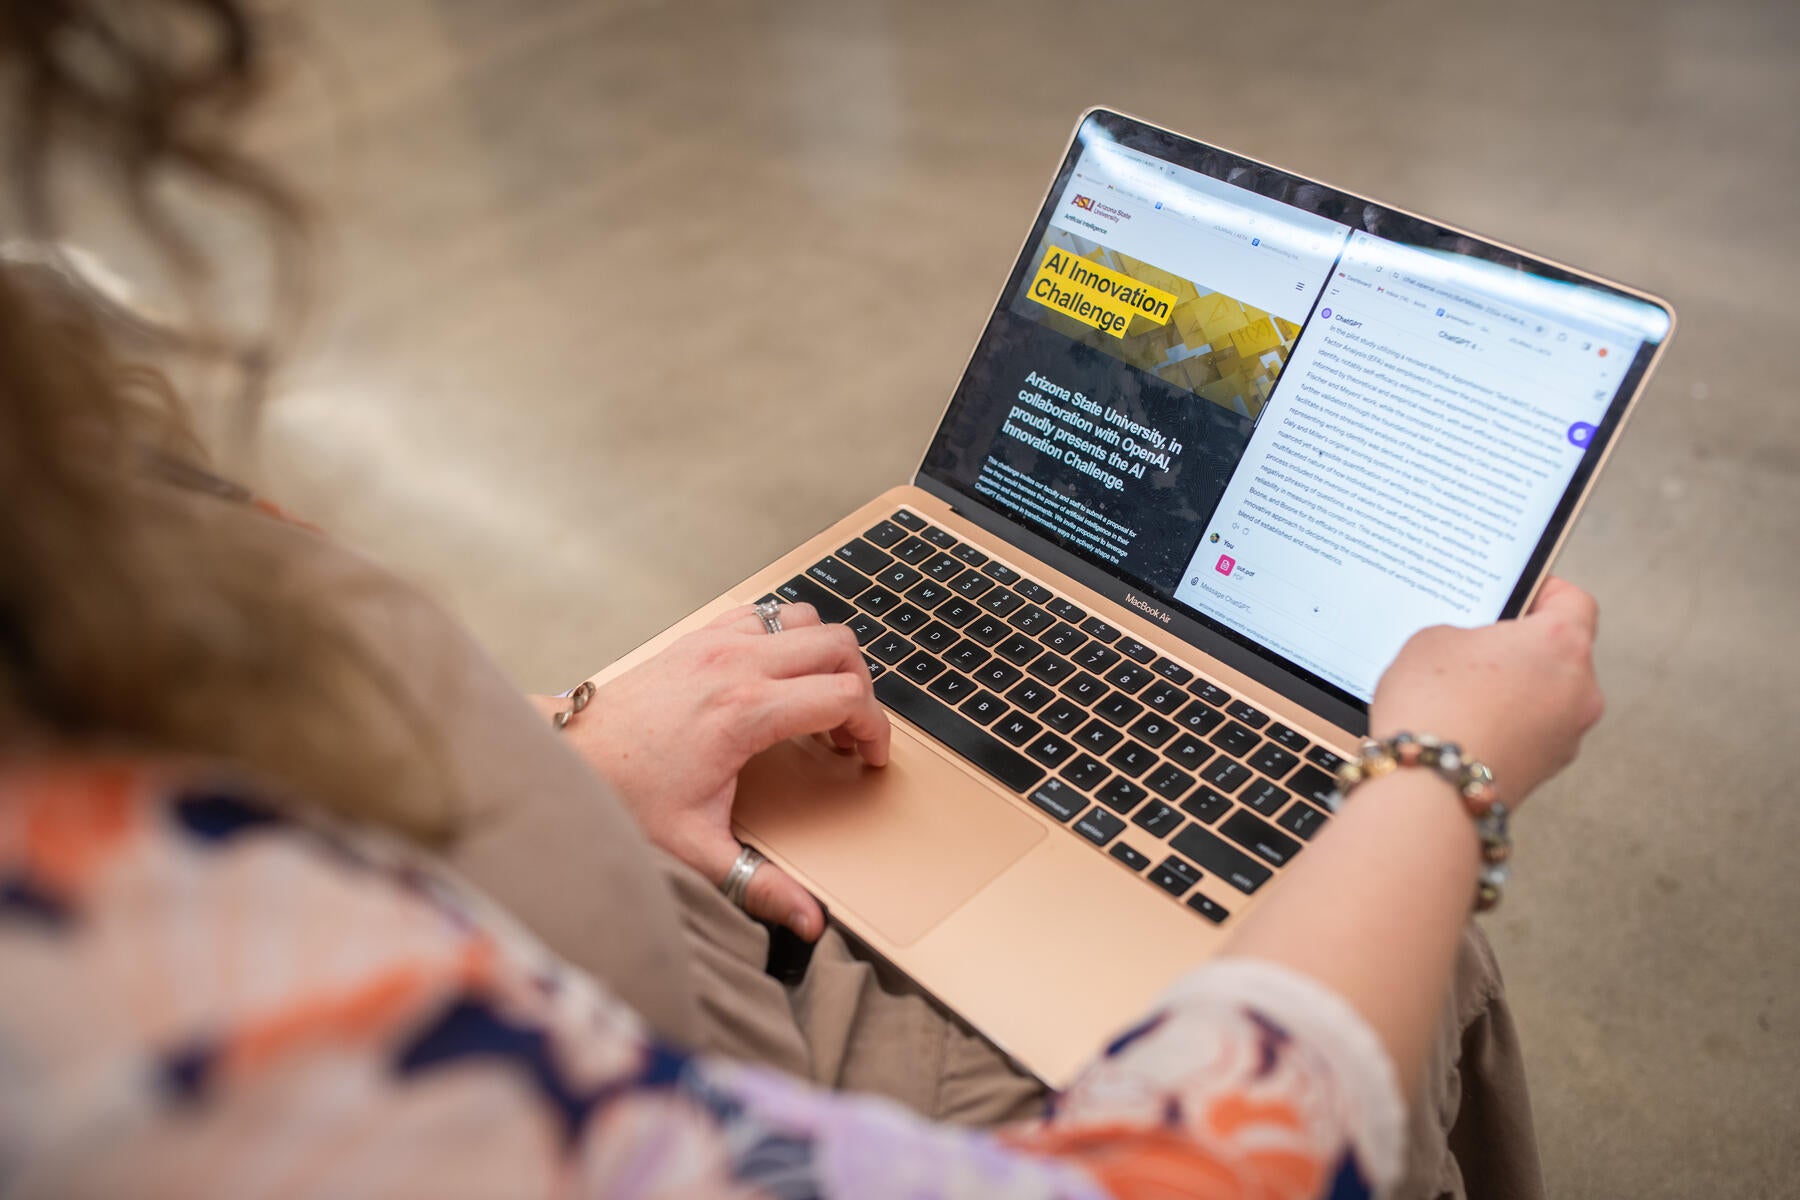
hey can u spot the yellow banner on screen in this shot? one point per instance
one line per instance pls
(1097, 295)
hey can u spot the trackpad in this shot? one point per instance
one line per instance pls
(900, 847)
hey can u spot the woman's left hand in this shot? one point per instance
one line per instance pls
(672, 733)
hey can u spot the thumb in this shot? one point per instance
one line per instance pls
(775, 896)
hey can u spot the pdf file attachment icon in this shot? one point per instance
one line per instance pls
(1225, 564)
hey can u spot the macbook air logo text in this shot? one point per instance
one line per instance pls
(1144, 606)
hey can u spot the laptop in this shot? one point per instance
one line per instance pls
(1229, 437)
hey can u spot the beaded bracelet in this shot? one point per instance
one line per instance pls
(1472, 780)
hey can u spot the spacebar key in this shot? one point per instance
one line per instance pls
(965, 737)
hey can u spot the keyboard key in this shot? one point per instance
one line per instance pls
(1083, 688)
(865, 627)
(1128, 677)
(1118, 709)
(987, 630)
(971, 585)
(1164, 697)
(941, 567)
(1099, 826)
(1189, 751)
(1085, 772)
(1031, 619)
(1273, 761)
(1199, 718)
(876, 600)
(1066, 610)
(906, 618)
(1121, 795)
(1064, 638)
(1050, 750)
(967, 656)
(970, 555)
(962, 736)
(1302, 820)
(1018, 649)
(1001, 601)
(863, 556)
(1059, 800)
(1289, 738)
(1030, 695)
(1221, 858)
(1136, 651)
(1096, 657)
(876, 669)
(910, 520)
(1174, 880)
(1001, 572)
(1169, 781)
(913, 551)
(1017, 729)
(1157, 819)
(1255, 718)
(801, 590)
(1210, 909)
(927, 594)
(1324, 758)
(1094, 627)
(1153, 730)
(936, 637)
(943, 539)
(1232, 739)
(890, 648)
(1206, 805)
(983, 708)
(952, 688)
(997, 675)
(1264, 797)
(957, 613)
(886, 534)
(921, 668)
(1137, 860)
(1214, 695)
(1260, 838)
(899, 577)
(1052, 668)
(1132, 759)
(1099, 737)
(1063, 716)
(1226, 775)
(1171, 670)
(1032, 590)
(1313, 783)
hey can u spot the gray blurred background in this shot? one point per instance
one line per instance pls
(621, 300)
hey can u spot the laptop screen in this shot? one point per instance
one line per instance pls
(1308, 422)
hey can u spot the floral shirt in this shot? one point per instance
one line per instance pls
(201, 996)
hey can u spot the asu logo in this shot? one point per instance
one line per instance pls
(1086, 202)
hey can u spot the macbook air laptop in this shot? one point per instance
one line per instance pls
(1229, 437)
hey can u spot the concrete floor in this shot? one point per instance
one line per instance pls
(623, 299)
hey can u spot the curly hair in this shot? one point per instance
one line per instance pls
(134, 616)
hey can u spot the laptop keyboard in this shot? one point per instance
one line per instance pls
(1166, 772)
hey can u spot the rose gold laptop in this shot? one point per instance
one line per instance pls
(1230, 436)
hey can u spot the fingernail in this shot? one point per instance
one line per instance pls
(798, 923)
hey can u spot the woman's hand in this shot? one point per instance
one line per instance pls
(672, 734)
(1518, 695)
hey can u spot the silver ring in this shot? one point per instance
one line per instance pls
(737, 880)
(770, 612)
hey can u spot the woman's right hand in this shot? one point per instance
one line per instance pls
(1517, 695)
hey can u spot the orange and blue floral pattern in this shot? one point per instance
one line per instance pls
(202, 996)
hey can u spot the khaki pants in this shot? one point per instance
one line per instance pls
(851, 1024)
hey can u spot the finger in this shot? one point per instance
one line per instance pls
(837, 702)
(744, 619)
(775, 896)
(1561, 599)
(808, 650)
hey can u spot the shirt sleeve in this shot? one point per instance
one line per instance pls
(215, 1000)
